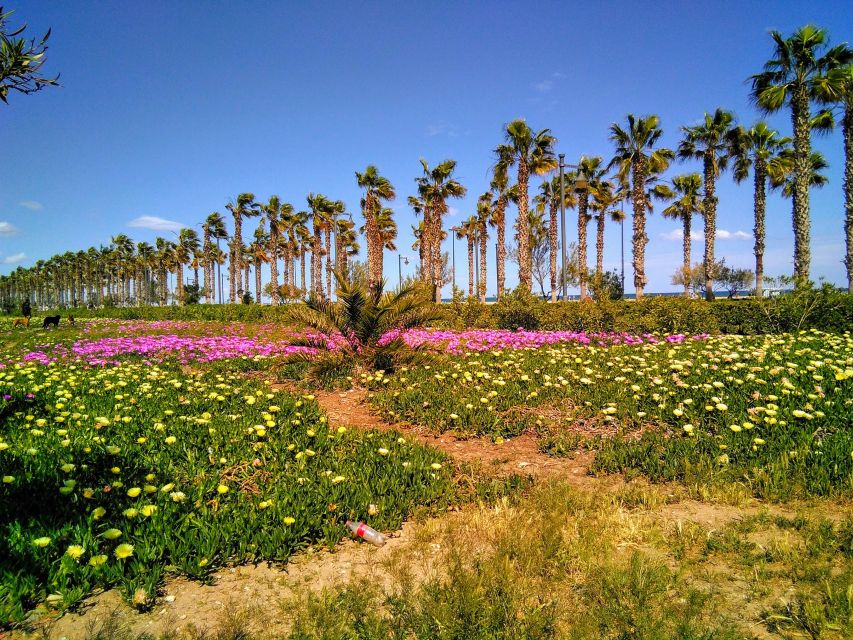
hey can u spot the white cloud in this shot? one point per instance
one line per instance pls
(543, 87)
(155, 224)
(678, 234)
(15, 259)
(32, 205)
(8, 229)
(722, 234)
(452, 211)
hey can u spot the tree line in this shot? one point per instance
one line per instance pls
(805, 76)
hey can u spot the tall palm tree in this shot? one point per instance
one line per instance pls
(500, 187)
(636, 159)
(796, 75)
(435, 187)
(376, 189)
(760, 148)
(533, 152)
(244, 206)
(336, 209)
(144, 264)
(213, 229)
(272, 211)
(587, 178)
(258, 255)
(321, 208)
(484, 214)
(185, 248)
(164, 257)
(347, 244)
(123, 248)
(840, 90)
(817, 163)
(302, 242)
(605, 195)
(686, 197)
(714, 142)
(549, 197)
(387, 233)
(469, 230)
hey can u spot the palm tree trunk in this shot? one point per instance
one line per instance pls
(710, 202)
(437, 262)
(847, 128)
(500, 220)
(328, 262)
(599, 243)
(759, 208)
(686, 246)
(583, 206)
(246, 278)
(525, 264)
(374, 245)
(639, 239)
(484, 239)
(470, 266)
(257, 283)
(802, 173)
(273, 251)
(302, 267)
(552, 240)
(180, 273)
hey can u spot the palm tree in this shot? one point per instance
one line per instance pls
(387, 228)
(357, 325)
(500, 187)
(272, 210)
(243, 207)
(817, 163)
(164, 257)
(336, 208)
(636, 158)
(435, 187)
(796, 75)
(321, 208)
(377, 188)
(123, 249)
(714, 142)
(469, 230)
(302, 242)
(840, 89)
(185, 248)
(259, 256)
(549, 197)
(534, 153)
(347, 244)
(605, 195)
(484, 214)
(213, 228)
(761, 149)
(685, 194)
(589, 173)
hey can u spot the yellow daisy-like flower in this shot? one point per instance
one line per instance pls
(124, 551)
(41, 542)
(222, 489)
(148, 510)
(112, 534)
(288, 520)
(166, 488)
(94, 561)
(74, 551)
(8, 479)
(98, 513)
(133, 492)
(436, 466)
(171, 440)
(383, 451)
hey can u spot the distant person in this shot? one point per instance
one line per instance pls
(26, 311)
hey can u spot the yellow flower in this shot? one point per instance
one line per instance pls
(74, 551)
(166, 488)
(41, 542)
(124, 551)
(8, 479)
(383, 451)
(134, 492)
(222, 489)
(436, 466)
(112, 534)
(171, 440)
(98, 513)
(94, 561)
(148, 510)
(288, 520)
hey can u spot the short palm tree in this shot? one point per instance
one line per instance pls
(213, 228)
(533, 152)
(588, 177)
(185, 249)
(795, 76)
(243, 206)
(637, 159)
(605, 195)
(364, 326)
(760, 148)
(686, 197)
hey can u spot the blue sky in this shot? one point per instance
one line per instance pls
(168, 109)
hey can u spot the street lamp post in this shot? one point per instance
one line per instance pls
(563, 225)
(400, 260)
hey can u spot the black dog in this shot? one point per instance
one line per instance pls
(50, 320)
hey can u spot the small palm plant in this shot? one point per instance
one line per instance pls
(363, 328)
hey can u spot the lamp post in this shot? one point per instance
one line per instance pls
(563, 226)
(400, 260)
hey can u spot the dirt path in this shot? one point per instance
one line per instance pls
(519, 455)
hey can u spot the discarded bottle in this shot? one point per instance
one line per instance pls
(366, 532)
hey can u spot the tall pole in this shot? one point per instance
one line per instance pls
(622, 226)
(563, 224)
(400, 270)
(219, 271)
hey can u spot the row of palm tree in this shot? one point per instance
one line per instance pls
(803, 71)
